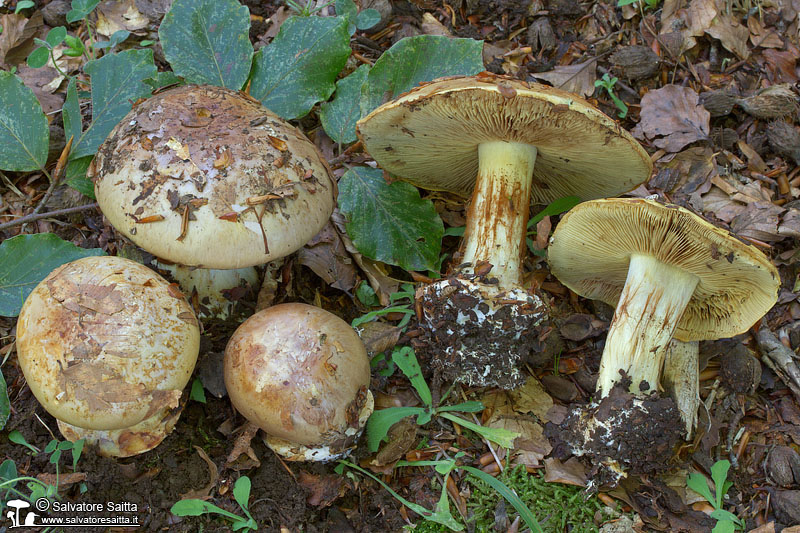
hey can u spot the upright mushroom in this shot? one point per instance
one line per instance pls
(107, 346)
(203, 176)
(510, 143)
(668, 272)
(302, 375)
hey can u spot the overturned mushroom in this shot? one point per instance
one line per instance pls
(203, 176)
(107, 346)
(510, 143)
(302, 375)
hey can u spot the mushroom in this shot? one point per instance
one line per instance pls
(106, 346)
(302, 375)
(511, 143)
(203, 176)
(668, 272)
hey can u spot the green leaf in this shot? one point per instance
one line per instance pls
(719, 475)
(697, 482)
(77, 449)
(415, 59)
(367, 19)
(25, 260)
(197, 393)
(5, 403)
(299, 67)
(390, 223)
(509, 495)
(503, 437)
(56, 36)
(38, 58)
(464, 407)
(346, 9)
(75, 44)
(379, 423)
(339, 116)
(23, 4)
(8, 471)
(162, 79)
(724, 526)
(406, 360)
(17, 438)
(116, 82)
(556, 207)
(81, 8)
(24, 132)
(194, 507)
(76, 176)
(241, 491)
(208, 41)
(71, 112)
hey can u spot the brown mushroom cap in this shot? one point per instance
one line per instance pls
(298, 372)
(430, 137)
(591, 247)
(105, 343)
(205, 176)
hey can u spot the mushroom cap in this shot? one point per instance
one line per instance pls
(188, 174)
(105, 343)
(430, 137)
(591, 247)
(298, 372)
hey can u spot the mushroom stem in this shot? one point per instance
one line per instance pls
(681, 379)
(498, 214)
(651, 304)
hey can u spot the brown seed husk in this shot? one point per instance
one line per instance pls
(775, 101)
(718, 103)
(635, 62)
(784, 139)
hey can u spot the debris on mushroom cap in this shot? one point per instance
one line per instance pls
(430, 136)
(477, 333)
(105, 344)
(302, 375)
(204, 176)
(591, 247)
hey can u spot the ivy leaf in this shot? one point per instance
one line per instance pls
(116, 82)
(390, 223)
(299, 67)
(25, 260)
(23, 127)
(416, 59)
(208, 41)
(339, 116)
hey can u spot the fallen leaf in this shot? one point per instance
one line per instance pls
(581, 326)
(62, 480)
(531, 398)
(18, 32)
(323, 489)
(731, 34)
(781, 64)
(672, 117)
(578, 78)
(531, 446)
(326, 255)
(761, 36)
(378, 336)
(570, 472)
(402, 438)
(431, 26)
(43, 81)
(241, 446)
(116, 15)
(213, 474)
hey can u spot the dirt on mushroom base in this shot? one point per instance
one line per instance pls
(621, 434)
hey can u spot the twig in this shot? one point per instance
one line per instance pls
(489, 444)
(779, 358)
(39, 216)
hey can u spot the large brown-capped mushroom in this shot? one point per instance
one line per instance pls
(511, 143)
(302, 375)
(203, 176)
(668, 272)
(107, 346)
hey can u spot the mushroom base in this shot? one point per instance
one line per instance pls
(126, 442)
(334, 448)
(621, 434)
(477, 333)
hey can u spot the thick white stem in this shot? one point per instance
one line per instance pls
(649, 308)
(498, 214)
(681, 379)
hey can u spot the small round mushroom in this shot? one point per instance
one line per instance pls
(203, 176)
(107, 345)
(511, 143)
(302, 375)
(668, 272)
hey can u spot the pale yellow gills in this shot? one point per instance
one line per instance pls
(667, 271)
(205, 176)
(302, 375)
(105, 344)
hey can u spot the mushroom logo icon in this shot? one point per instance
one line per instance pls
(14, 515)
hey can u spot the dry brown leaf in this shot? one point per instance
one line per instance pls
(402, 437)
(431, 26)
(323, 489)
(531, 446)
(326, 255)
(378, 337)
(579, 327)
(18, 32)
(242, 446)
(731, 34)
(672, 117)
(531, 398)
(116, 15)
(41, 81)
(570, 472)
(761, 36)
(578, 78)
(64, 479)
(781, 65)
(213, 474)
